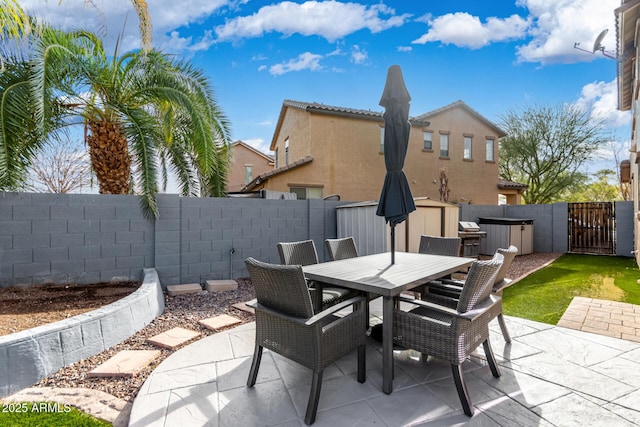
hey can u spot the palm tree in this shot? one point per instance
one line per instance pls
(145, 114)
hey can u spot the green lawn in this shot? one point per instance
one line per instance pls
(45, 414)
(544, 295)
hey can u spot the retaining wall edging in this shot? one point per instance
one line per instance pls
(28, 356)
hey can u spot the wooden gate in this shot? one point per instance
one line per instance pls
(592, 228)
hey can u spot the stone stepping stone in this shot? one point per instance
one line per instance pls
(221, 285)
(125, 363)
(244, 307)
(173, 338)
(184, 289)
(218, 322)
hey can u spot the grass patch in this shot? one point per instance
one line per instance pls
(543, 296)
(45, 414)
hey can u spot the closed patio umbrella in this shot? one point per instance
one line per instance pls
(396, 201)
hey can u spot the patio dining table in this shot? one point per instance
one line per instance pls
(375, 274)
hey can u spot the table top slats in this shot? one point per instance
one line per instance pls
(376, 274)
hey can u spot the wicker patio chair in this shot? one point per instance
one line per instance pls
(287, 324)
(342, 248)
(304, 253)
(345, 248)
(447, 291)
(436, 245)
(453, 334)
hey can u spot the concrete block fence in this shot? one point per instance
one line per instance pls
(551, 223)
(82, 238)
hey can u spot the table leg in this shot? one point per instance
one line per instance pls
(387, 345)
(319, 296)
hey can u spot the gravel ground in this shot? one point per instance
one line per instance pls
(185, 311)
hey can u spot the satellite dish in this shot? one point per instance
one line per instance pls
(597, 45)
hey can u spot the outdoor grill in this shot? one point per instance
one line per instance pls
(470, 234)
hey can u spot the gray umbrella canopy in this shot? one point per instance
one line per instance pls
(396, 201)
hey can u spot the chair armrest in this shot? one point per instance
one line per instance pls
(311, 320)
(469, 315)
(482, 308)
(429, 305)
(498, 287)
(335, 308)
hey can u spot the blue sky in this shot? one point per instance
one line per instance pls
(494, 55)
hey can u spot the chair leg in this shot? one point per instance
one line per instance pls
(463, 394)
(362, 363)
(314, 397)
(488, 352)
(255, 366)
(503, 327)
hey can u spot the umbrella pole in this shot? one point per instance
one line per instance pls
(393, 243)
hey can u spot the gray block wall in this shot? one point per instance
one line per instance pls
(551, 226)
(76, 238)
(58, 238)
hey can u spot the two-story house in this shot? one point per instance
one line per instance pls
(628, 50)
(321, 150)
(246, 163)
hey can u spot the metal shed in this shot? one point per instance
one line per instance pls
(372, 234)
(503, 232)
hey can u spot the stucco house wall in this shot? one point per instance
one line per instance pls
(243, 155)
(345, 145)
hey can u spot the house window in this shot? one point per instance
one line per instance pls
(303, 193)
(286, 151)
(248, 172)
(381, 139)
(427, 140)
(276, 164)
(490, 147)
(444, 145)
(467, 148)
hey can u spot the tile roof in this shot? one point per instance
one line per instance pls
(344, 111)
(461, 104)
(503, 183)
(265, 176)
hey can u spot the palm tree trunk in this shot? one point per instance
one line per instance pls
(110, 158)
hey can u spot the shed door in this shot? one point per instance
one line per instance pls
(592, 228)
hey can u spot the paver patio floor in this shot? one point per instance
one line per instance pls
(550, 376)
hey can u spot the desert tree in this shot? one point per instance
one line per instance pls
(546, 147)
(61, 166)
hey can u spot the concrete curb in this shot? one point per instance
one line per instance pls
(28, 356)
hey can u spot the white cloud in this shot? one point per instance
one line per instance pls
(259, 144)
(601, 99)
(304, 61)
(110, 18)
(557, 25)
(404, 48)
(464, 30)
(329, 19)
(551, 27)
(358, 56)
